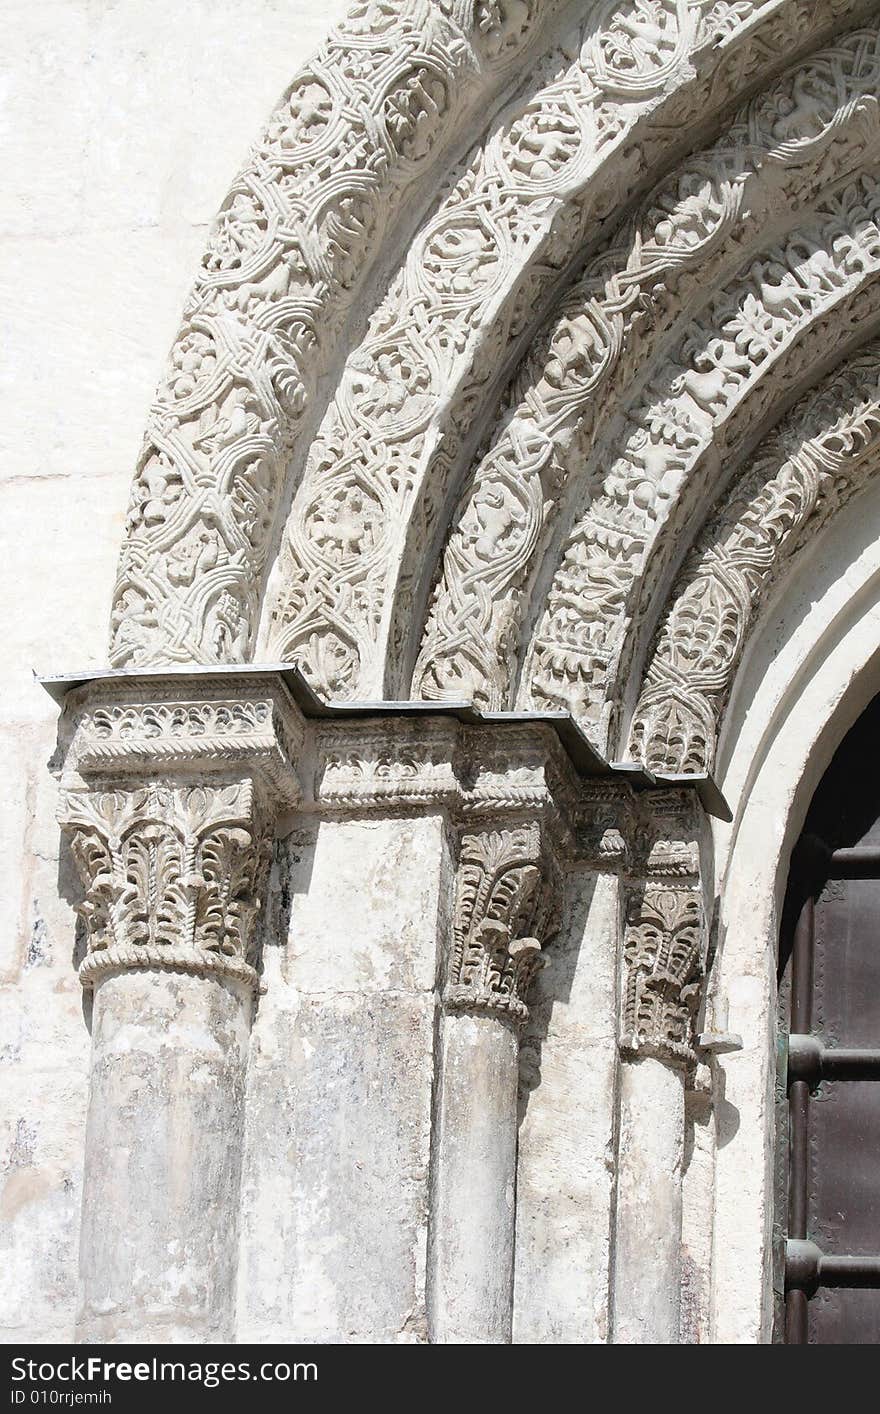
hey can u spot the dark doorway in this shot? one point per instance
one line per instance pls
(829, 972)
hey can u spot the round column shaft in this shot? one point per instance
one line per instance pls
(472, 1231)
(170, 793)
(647, 1255)
(163, 1158)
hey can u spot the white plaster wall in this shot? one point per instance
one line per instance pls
(122, 122)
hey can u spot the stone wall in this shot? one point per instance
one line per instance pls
(123, 123)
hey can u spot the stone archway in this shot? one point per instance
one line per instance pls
(279, 298)
(514, 443)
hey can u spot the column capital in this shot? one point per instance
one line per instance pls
(506, 908)
(663, 929)
(170, 791)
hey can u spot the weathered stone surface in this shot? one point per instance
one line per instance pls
(163, 1159)
(646, 1275)
(568, 1071)
(470, 1284)
(335, 1201)
(531, 454)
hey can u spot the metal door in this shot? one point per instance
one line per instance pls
(830, 1009)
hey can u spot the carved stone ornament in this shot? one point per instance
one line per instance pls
(324, 185)
(663, 943)
(823, 453)
(392, 764)
(505, 910)
(707, 220)
(599, 111)
(663, 972)
(170, 793)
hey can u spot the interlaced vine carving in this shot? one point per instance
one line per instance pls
(347, 582)
(765, 334)
(824, 453)
(778, 154)
(341, 154)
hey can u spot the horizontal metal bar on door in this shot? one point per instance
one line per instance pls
(807, 1268)
(859, 862)
(810, 1060)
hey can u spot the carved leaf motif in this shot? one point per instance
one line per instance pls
(801, 476)
(662, 962)
(601, 337)
(502, 892)
(170, 867)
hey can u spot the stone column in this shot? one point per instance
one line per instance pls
(503, 912)
(170, 795)
(662, 974)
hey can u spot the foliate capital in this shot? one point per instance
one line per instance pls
(664, 934)
(506, 909)
(171, 790)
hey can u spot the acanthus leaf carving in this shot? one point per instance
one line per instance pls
(662, 971)
(170, 793)
(664, 940)
(505, 910)
(173, 876)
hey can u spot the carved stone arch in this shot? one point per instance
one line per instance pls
(388, 875)
(680, 440)
(361, 134)
(826, 451)
(810, 670)
(702, 223)
(613, 105)
(337, 174)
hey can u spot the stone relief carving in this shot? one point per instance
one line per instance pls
(170, 792)
(765, 334)
(663, 972)
(505, 910)
(780, 151)
(341, 154)
(248, 730)
(392, 768)
(474, 772)
(173, 876)
(824, 452)
(663, 939)
(605, 825)
(346, 586)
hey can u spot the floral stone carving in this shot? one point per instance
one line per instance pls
(663, 972)
(170, 799)
(346, 593)
(343, 152)
(504, 912)
(820, 456)
(663, 938)
(696, 226)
